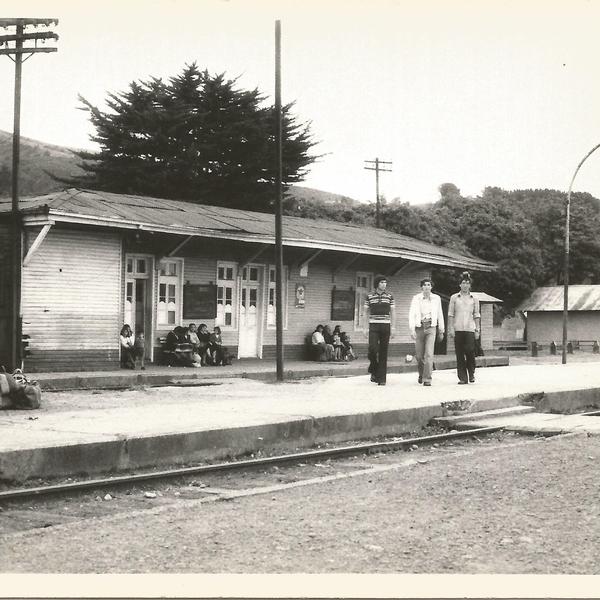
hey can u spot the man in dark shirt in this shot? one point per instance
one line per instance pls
(381, 315)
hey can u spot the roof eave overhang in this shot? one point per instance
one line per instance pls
(421, 257)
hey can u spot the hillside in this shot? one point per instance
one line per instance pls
(37, 159)
(303, 194)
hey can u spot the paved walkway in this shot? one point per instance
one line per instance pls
(95, 431)
(263, 370)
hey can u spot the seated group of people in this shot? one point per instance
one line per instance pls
(184, 346)
(195, 347)
(331, 345)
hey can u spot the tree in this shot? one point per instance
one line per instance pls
(197, 137)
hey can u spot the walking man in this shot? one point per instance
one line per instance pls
(426, 323)
(464, 321)
(380, 312)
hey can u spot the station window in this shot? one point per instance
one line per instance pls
(363, 287)
(226, 292)
(168, 307)
(137, 266)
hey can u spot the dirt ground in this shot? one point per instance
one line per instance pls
(529, 506)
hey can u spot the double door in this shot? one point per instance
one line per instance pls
(137, 309)
(250, 325)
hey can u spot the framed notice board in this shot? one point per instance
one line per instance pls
(199, 301)
(342, 305)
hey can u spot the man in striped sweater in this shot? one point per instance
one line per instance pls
(381, 314)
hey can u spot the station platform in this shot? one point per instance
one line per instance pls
(262, 370)
(199, 416)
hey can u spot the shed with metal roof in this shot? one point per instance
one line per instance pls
(544, 313)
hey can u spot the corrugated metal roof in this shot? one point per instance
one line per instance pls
(581, 297)
(483, 297)
(200, 219)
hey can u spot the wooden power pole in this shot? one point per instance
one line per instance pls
(15, 44)
(279, 209)
(376, 165)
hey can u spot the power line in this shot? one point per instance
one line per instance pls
(376, 165)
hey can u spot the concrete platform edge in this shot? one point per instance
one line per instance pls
(121, 454)
(126, 379)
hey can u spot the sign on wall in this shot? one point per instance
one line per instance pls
(300, 295)
(199, 301)
(342, 304)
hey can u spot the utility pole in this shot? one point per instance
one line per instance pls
(16, 44)
(376, 165)
(279, 209)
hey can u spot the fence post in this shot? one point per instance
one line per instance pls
(534, 349)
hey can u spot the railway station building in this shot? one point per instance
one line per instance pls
(93, 261)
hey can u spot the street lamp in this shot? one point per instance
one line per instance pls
(566, 264)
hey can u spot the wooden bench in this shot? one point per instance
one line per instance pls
(167, 357)
(310, 352)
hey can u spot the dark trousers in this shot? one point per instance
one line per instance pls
(464, 346)
(379, 339)
(128, 357)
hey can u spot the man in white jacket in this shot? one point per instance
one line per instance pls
(425, 321)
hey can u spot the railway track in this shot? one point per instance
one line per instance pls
(240, 465)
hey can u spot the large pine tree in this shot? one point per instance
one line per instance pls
(197, 137)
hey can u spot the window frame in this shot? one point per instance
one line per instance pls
(177, 280)
(360, 300)
(234, 285)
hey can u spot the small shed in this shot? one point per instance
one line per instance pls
(486, 308)
(544, 313)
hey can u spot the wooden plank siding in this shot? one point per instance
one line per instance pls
(73, 295)
(487, 325)
(544, 327)
(72, 300)
(302, 321)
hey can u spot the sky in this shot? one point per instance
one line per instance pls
(475, 93)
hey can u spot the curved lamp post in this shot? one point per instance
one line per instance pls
(566, 264)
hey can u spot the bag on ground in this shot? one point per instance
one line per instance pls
(18, 392)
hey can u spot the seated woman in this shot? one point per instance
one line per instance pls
(127, 347)
(219, 355)
(199, 337)
(323, 351)
(179, 349)
(204, 337)
(348, 351)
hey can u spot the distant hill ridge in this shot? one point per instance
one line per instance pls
(37, 159)
(40, 158)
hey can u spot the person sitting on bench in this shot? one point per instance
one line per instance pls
(179, 351)
(127, 347)
(322, 350)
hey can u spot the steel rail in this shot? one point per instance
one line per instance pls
(591, 413)
(238, 465)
